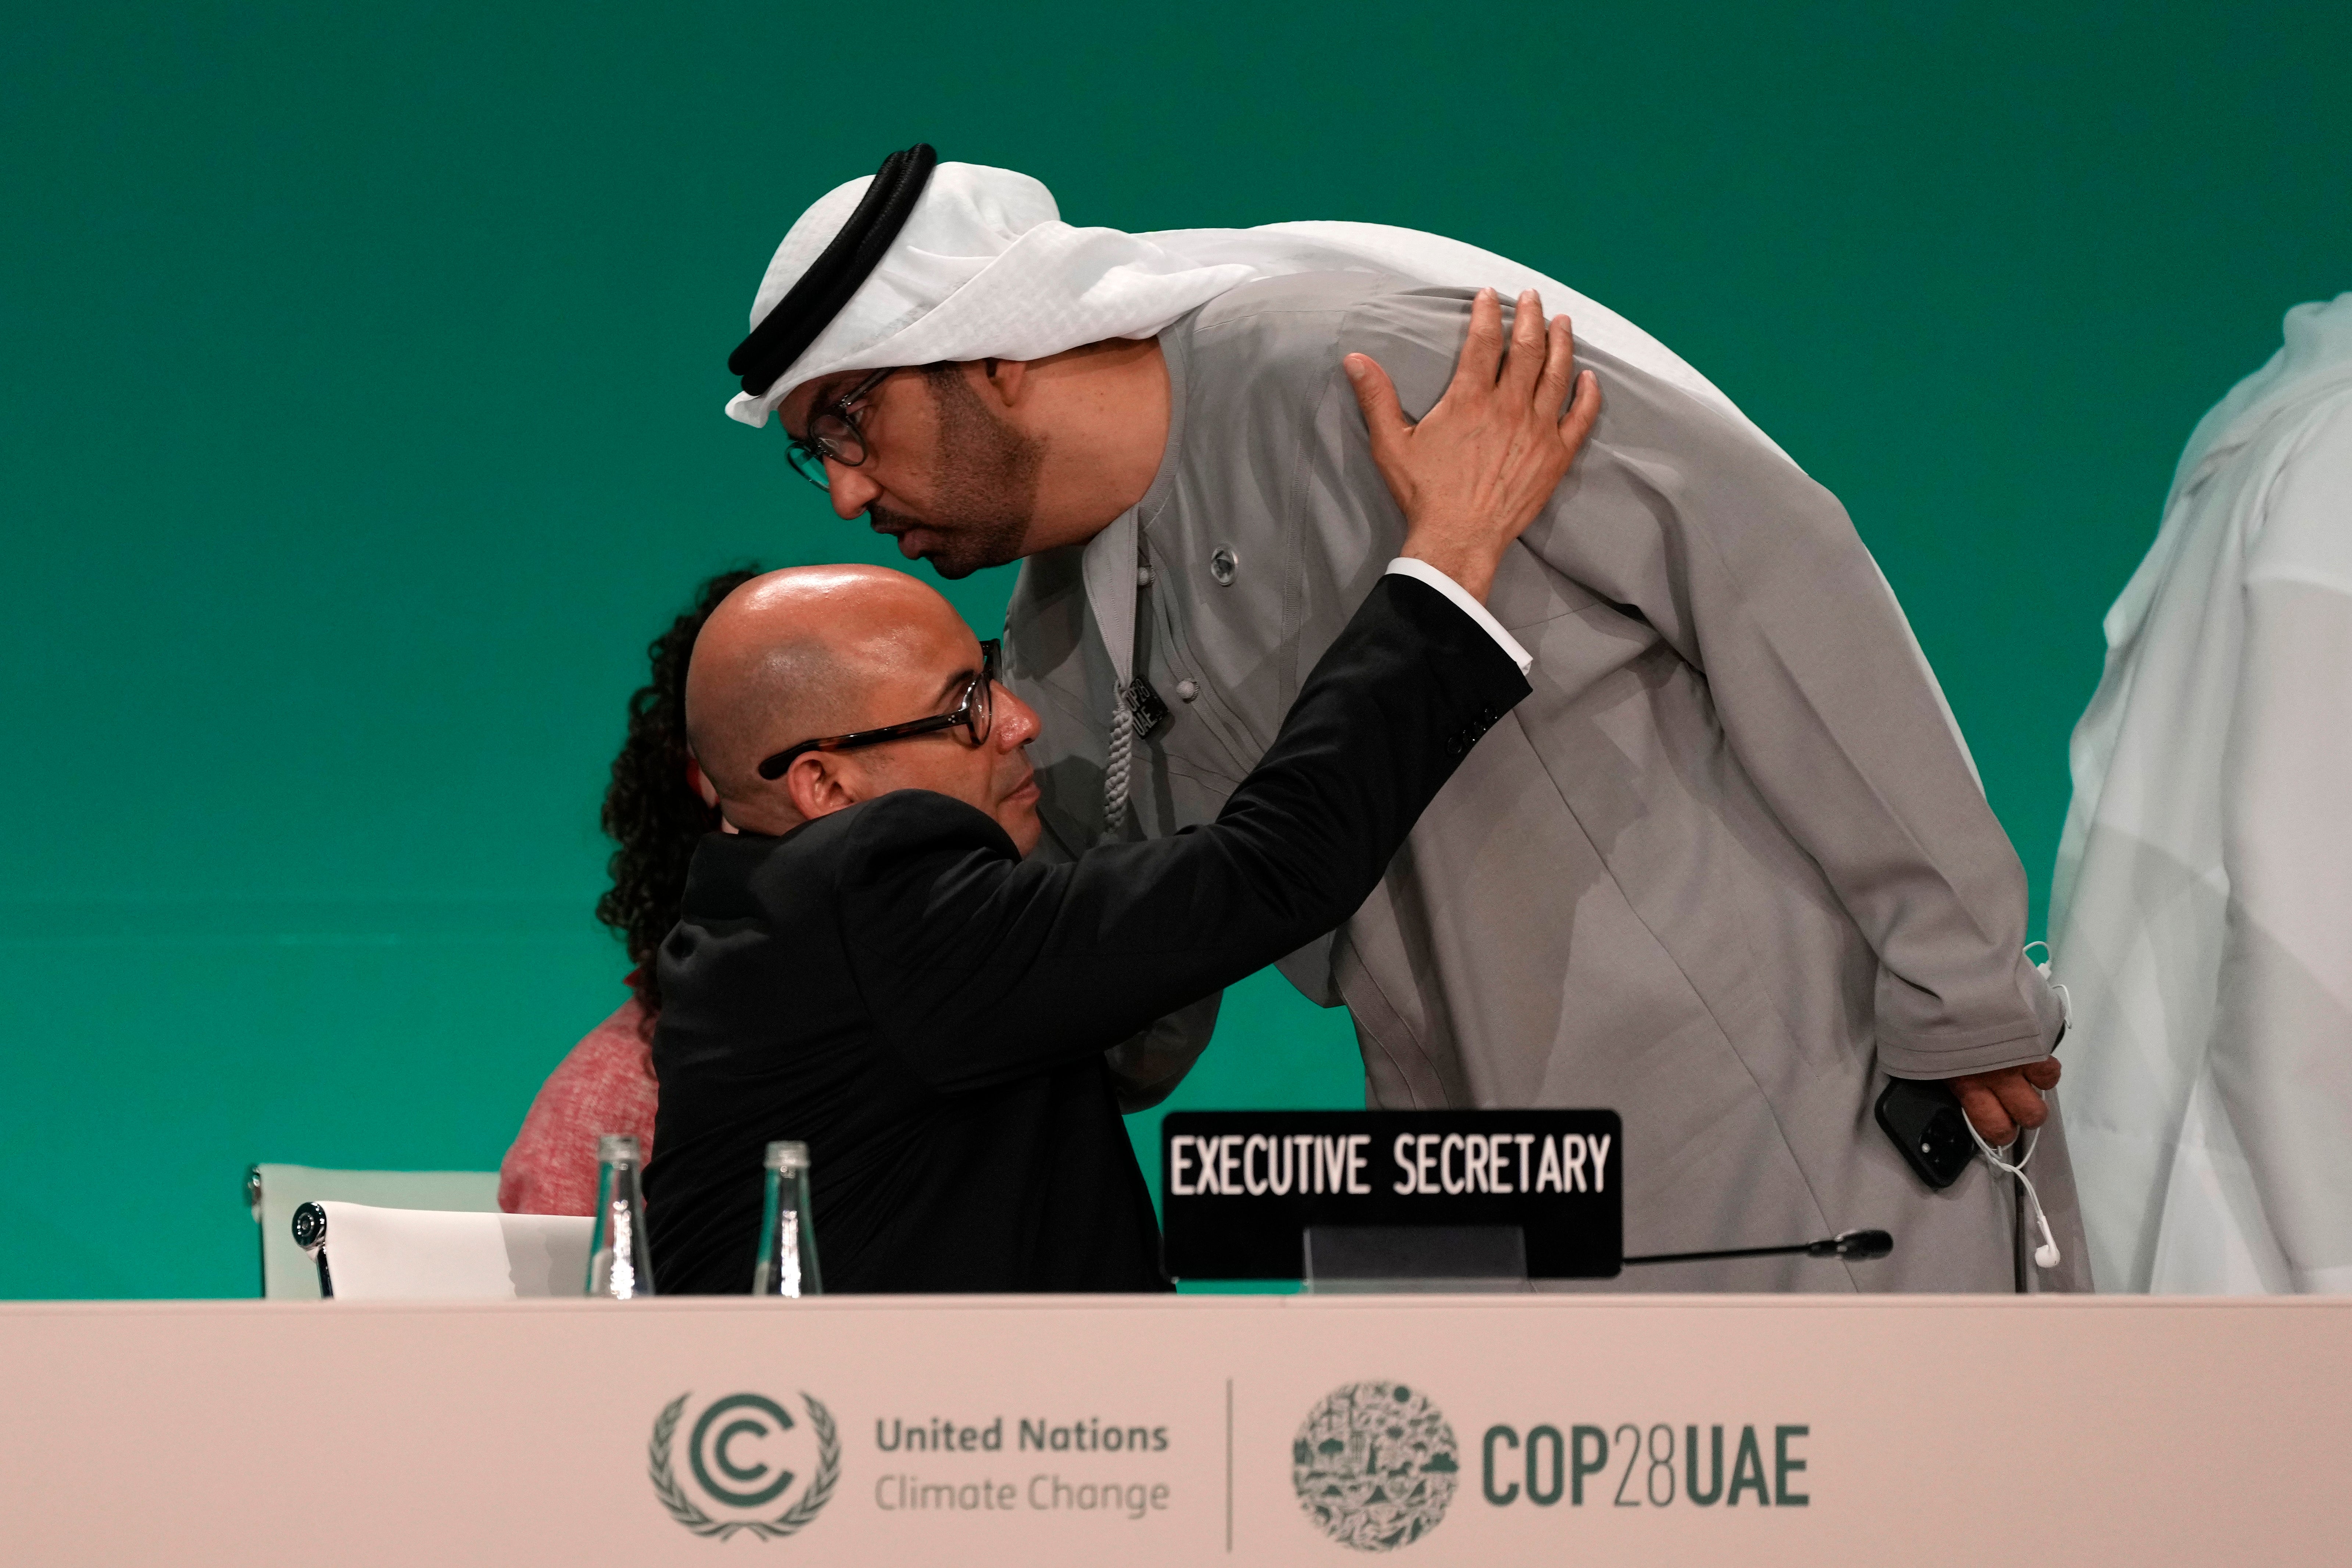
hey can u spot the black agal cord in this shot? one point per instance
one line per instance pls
(814, 302)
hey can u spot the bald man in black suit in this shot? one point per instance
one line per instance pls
(869, 963)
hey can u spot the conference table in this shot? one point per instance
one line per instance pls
(1486, 1429)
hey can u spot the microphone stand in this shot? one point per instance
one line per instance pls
(1855, 1246)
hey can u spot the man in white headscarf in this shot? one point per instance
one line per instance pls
(2202, 914)
(1728, 869)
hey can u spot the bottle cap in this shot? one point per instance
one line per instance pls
(788, 1155)
(612, 1147)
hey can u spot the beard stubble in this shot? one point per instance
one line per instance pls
(986, 491)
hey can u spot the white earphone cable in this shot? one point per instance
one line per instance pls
(2047, 1255)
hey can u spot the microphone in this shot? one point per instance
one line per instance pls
(1853, 1246)
(1856, 1245)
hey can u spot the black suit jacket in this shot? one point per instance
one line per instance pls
(896, 986)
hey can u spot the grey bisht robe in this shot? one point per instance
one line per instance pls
(1723, 871)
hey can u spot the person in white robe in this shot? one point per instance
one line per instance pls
(2202, 912)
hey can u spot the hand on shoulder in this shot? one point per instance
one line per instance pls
(1473, 473)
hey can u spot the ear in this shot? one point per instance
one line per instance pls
(700, 786)
(820, 783)
(1005, 380)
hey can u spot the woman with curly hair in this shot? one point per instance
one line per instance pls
(654, 813)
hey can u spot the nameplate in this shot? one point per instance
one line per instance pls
(1240, 1189)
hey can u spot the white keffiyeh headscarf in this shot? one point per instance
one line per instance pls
(985, 268)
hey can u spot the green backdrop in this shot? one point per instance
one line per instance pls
(361, 421)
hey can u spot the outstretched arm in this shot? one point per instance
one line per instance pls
(979, 968)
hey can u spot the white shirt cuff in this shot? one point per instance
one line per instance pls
(1422, 570)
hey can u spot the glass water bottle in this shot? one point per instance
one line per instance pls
(787, 1265)
(619, 1267)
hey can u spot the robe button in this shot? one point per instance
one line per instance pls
(1188, 690)
(1222, 564)
(1143, 576)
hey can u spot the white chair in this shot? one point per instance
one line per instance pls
(368, 1254)
(275, 1192)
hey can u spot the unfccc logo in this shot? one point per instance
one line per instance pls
(740, 1451)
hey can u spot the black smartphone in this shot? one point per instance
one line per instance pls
(1924, 1120)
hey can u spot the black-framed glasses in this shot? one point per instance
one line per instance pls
(975, 711)
(834, 433)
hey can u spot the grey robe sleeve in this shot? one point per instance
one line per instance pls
(1754, 574)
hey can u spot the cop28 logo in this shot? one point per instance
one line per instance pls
(1375, 1464)
(738, 1451)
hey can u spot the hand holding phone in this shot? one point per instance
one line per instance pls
(1923, 1118)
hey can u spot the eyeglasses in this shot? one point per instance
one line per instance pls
(975, 711)
(834, 433)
